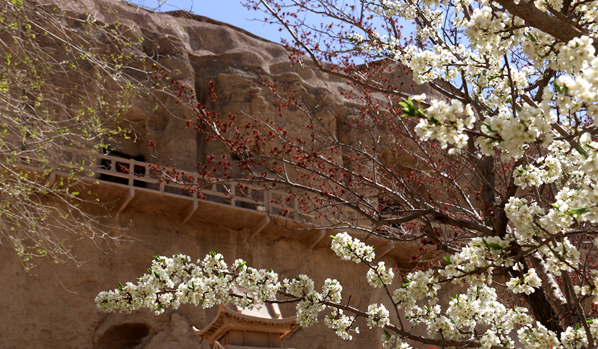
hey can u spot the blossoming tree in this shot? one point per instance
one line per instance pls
(501, 190)
(59, 91)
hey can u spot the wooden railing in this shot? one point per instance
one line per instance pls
(137, 174)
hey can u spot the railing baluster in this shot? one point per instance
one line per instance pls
(267, 201)
(131, 172)
(196, 188)
(232, 191)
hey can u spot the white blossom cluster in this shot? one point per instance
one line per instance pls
(481, 29)
(545, 170)
(510, 129)
(479, 254)
(536, 46)
(480, 306)
(174, 281)
(515, 133)
(349, 249)
(536, 336)
(526, 284)
(545, 4)
(378, 315)
(588, 14)
(341, 324)
(533, 226)
(560, 256)
(393, 342)
(416, 286)
(576, 54)
(574, 337)
(590, 289)
(430, 65)
(380, 275)
(298, 286)
(309, 308)
(445, 123)
(522, 215)
(171, 282)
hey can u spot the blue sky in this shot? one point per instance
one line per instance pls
(228, 11)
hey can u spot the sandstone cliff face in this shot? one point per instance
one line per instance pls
(53, 305)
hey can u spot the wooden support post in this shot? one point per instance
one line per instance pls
(132, 172)
(260, 226)
(386, 249)
(316, 240)
(97, 164)
(189, 211)
(129, 195)
(267, 201)
(51, 179)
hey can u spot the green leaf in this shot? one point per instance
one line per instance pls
(448, 260)
(493, 246)
(493, 77)
(409, 110)
(531, 37)
(387, 334)
(576, 212)
(487, 125)
(581, 151)
(556, 86)
(120, 287)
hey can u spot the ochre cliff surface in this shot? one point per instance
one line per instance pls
(52, 306)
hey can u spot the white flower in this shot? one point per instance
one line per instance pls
(350, 249)
(419, 98)
(378, 315)
(380, 276)
(341, 324)
(527, 284)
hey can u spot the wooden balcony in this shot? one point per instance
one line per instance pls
(135, 185)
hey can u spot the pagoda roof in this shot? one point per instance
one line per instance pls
(232, 317)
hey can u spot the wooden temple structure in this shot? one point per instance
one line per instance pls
(235, 328)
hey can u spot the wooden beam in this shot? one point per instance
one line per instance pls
(386, 249)
(316, 240)
(129, 195)
(189, 211)
(260, 226)
(51, 179)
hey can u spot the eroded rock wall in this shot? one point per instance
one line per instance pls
(53, 305)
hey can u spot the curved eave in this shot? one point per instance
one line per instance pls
(224, 312)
